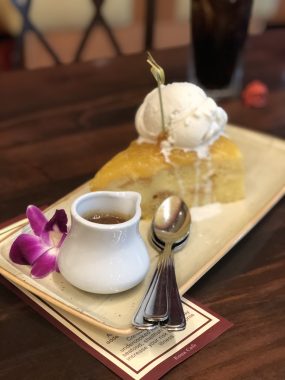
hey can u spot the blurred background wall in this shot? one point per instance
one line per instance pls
(64, 22)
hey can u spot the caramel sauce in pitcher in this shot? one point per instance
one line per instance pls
(106, 217)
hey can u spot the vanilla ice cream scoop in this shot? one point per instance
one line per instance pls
(191, 118)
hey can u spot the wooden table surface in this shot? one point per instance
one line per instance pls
(57, 127)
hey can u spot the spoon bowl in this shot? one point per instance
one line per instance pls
(172, 221)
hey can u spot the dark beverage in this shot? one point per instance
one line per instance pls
(219, 29)
(106, 218)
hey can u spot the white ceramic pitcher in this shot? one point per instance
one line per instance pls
(104, 258)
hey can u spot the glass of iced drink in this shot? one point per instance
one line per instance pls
(219, 30)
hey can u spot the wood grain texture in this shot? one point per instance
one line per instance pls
(57, 127)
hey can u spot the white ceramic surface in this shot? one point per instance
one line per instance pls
(104, 258)
(210, 240)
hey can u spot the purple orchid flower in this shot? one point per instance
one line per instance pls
(41, 249)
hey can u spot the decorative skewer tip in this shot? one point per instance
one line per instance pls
(158, 73)
(156, 70)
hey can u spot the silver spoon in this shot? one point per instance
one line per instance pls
(170, 225)
(139, 322)
(159, 245)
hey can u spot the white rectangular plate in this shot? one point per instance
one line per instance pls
(265, 180)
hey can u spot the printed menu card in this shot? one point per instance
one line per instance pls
(143, 355)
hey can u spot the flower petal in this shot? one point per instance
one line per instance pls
(37, 219)
(56, 238)
(60, 220)
(26, 249)
(45, 264)
(55, 229)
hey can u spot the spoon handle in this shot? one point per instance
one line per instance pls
(139, 322)
(176, 318)
(157, 306)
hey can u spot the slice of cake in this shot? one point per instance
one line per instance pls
(191, 158)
